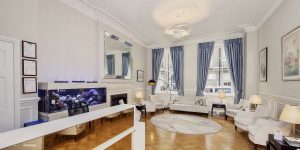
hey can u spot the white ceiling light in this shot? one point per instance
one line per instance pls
(179, 31)
(179, 15)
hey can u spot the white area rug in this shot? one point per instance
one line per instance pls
(186, 124)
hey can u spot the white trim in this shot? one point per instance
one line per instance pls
(269, 13)
(29, 100)
(30, 108)
(281, 99)
(97, 14)
(250, 29)
(17, 76)
(17, 136)
(199, 39)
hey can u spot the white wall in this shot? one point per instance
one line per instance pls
(251, 63)
(68, 43)
(284, 19)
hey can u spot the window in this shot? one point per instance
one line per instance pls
(219, 77)
(166, 76)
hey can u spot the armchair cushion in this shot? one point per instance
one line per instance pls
(258, 132)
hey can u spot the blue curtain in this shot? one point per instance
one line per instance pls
(157, 55)
(125, 63)
(177, 56)
(205, 51)
(110, 64)
(235, 59)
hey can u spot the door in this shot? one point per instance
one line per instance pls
(7, 105)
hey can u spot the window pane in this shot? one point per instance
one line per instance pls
(166, 77)
(219, 78)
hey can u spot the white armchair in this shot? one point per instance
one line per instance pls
(160, 101)
(150, 107)
(233, 109)
(244, 118)
(258, 132)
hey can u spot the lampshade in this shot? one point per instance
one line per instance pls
(222, 95)
(255, 99)
(151, 82)
(139, 94)
(290, 114)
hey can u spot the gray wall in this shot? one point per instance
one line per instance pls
(285, 19)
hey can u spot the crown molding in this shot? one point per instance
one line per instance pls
(200, 39)
(101, 16)
(269, 13)
(250, 29)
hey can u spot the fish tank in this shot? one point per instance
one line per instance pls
(57, 100)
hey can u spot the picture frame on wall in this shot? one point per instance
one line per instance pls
(140, 76)
(29, 85)
(263, 65)
(290, 45)
(29, 67)
(29, 50)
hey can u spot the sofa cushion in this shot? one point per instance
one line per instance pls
(232, 111)
(243, 121)
(189, 100)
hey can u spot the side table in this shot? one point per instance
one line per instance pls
(273, 144)
(142, 109)
(218, 106)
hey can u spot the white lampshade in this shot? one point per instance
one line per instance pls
(222, 95)
(290, 114)
(139, 94)
(255, 99)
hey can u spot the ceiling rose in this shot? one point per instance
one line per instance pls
(177, 16)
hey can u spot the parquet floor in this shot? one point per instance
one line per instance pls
(156, 139)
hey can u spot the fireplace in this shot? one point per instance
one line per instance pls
(115, 99)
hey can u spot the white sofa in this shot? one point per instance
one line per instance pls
(233, 109)
(259, 131)
(245, 118)
(188, 104)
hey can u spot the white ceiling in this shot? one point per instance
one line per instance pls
(214, 16)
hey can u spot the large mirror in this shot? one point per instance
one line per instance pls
(118, 61)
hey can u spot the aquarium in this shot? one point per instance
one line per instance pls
(61, 99)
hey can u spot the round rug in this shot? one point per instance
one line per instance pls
(186, 124)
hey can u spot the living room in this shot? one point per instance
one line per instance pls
(170, 74)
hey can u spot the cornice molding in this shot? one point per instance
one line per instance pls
(102, 16)
(200, 39)
(269, 13)
(99, 15)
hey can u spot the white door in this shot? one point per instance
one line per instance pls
(7, 109)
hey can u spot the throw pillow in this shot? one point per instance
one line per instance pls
(201, 102)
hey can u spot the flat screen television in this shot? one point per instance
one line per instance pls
(61, 99)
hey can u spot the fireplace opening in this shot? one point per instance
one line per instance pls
(116, 99)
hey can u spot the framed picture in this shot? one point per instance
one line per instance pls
(29, 50)
(29, 67)
(263, 65)
(140, 76)
(29, 85)
(290, 44)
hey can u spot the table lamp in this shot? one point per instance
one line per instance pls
(256, 100)
(139, 96)
(222, 96)
(291, 114)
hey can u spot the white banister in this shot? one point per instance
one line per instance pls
(17, 136)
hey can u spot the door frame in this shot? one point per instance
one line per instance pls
(17, 77)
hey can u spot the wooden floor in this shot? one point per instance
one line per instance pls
(156, 139)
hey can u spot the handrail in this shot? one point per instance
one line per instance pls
(17, 136)
(114, 139)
